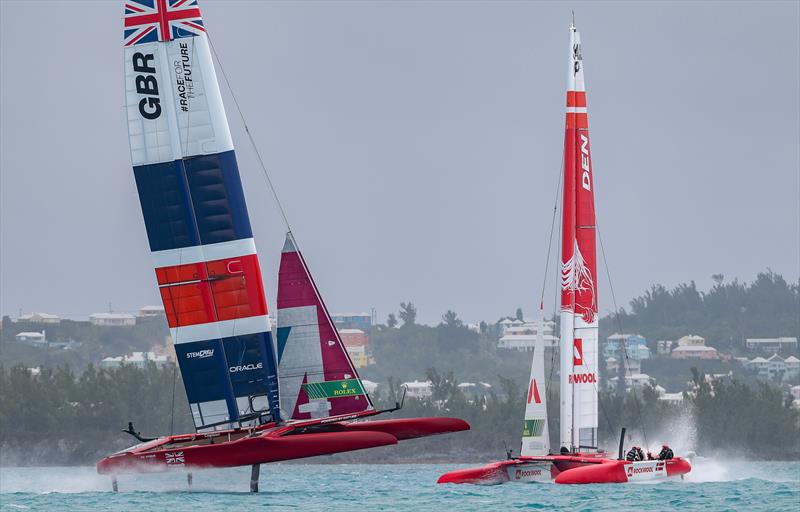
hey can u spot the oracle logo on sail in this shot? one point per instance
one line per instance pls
(146, 85)
(245, 367)
(585, 180)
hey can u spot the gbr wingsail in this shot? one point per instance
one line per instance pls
(579, 354)
(195, 214)
(317, 378)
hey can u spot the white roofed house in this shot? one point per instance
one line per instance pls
(791, 367)
(40, 318)
(417, 389)
(112, 319)
(151, 311)
(693, 347)
(138, 359)
(775, 368)
(759, 365)
(32, 338)
(473, 390)
(521, 336)
(631, 366)
(636, 380)
(772, 345)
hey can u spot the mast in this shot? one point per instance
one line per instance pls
(579, 353)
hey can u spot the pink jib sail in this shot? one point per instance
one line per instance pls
(317, 377)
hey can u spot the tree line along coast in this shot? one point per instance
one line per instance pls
(54, 400)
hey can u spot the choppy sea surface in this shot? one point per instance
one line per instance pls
(712, 486)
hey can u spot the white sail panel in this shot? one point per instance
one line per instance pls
(173, 101)
(536, 434)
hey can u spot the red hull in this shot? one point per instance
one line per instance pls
(620, 471)
(506, 470)
(270, 443)
(569, 469)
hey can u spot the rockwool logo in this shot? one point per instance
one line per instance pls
(523, 473)
(637, 471)
(577, 352)
(582, 378)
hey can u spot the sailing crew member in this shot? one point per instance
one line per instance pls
(665, 453)
(635, 454)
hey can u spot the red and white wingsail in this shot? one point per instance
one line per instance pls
(317, 378)
(578, 269)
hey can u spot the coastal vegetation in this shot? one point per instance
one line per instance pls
(58, 407)
(58, 417)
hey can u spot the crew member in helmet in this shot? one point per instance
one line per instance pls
(635, 454)
(665, 453)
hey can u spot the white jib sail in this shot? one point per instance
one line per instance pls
(535, 434)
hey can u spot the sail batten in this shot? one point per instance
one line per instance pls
(579, 336)
(195, 215)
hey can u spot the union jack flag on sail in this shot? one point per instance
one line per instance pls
(147, 21)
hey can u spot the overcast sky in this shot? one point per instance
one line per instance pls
(416, 147)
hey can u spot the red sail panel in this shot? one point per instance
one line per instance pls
(219, 290)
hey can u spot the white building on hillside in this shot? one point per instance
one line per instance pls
(32, 338)
(521, 336)
(693, 347)
(151, 311)
(369, 386)
(671, 398)
(631, 366)
(138, 359)
(772, 345)
(40, 318)
(474, 390)
(112, 319)
(775, 368)
(417, 389)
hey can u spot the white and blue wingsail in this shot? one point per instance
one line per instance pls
(195, 215)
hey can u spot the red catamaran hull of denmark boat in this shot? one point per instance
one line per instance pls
(580, 461)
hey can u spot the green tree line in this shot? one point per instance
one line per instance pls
(58, 417)
(725, 315)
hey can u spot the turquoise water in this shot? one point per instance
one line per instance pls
(712, 486)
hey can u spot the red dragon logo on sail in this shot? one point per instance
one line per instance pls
(576, 277)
